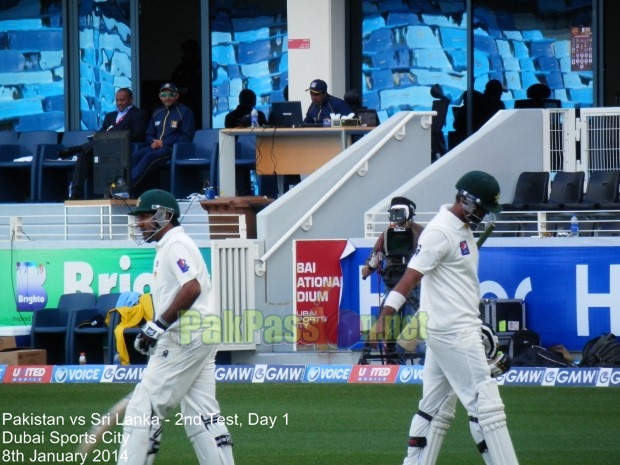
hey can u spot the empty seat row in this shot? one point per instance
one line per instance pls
(566, 191)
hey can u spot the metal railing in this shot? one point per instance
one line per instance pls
(109, 226)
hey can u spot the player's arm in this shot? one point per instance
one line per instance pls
(395, 300)
(147, 339)
(184, 300)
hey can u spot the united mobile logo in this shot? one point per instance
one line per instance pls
(374, 374)
(28, 374)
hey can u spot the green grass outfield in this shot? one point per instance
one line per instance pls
(335, 424)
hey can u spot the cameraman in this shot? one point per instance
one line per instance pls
(391, 253)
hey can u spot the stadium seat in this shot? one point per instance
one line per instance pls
(422, 37)
(532, 189)
(88, 332)
(190, 162)
(18, 179)
(8, 137)
(50, 326)
(601, 192)
(566, 189)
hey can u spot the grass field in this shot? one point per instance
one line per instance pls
(339, 424)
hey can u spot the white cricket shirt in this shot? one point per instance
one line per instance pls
(447, 256)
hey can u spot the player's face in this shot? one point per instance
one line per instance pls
(148, 227)
(123, 100)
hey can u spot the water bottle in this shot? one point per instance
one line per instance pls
(574, 226)
(82, 358)
(254, 118)
(117, 359)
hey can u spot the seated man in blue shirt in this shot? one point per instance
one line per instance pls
(324, 104)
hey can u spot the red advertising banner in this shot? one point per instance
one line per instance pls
(374, 374)
(28, 374)
(318, 289)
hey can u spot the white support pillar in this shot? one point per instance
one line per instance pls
(316, 34)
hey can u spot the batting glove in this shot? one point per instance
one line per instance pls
(147, 339)
(499, 365)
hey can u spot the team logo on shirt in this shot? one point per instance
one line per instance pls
(182, 264)
(417, 250)
(464, 248)
(174, 124)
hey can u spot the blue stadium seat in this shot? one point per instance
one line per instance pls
(527, 64)
(381, 79)
(496, 63)
(513, 80)
(253, 52)
(191, 160)
(520, 49)
(377, 41)
(18, 179)
(223, 54)
(397, 18)
(261, 85)
(548, 64)
(504, 48)
(582, 96)
(453, 38)
(485, 44)
(481, 63)
(541, 48)
(371, 23)
(554, 80)
(528, 78)
(572, 81)
(53, 174)
(533, 34)
(458, 59)
(431, 58)
(511, 64)
(12, 61)
(422, 37)
(43, 40)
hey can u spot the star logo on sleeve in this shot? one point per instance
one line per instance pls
(182, 264)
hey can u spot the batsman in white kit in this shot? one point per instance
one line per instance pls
(446, 263)
(177, 373)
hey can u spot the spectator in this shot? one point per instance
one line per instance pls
(173, 122)
(126, 117)
(484, 106)
(240, 116)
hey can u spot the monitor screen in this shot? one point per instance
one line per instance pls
(286, 114)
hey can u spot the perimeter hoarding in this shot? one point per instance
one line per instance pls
(36, 278)
(571, 289)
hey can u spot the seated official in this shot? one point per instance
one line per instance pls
(323, 104)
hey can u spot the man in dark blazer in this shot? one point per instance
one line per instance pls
(126, 117)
